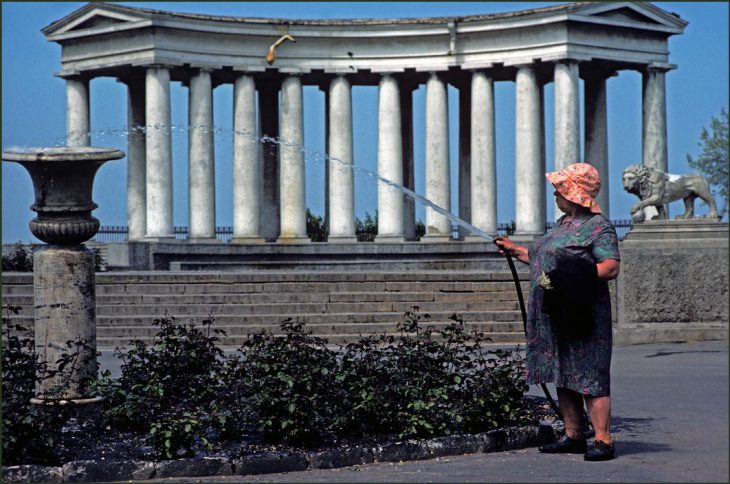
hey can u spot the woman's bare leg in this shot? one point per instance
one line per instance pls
(599, 409)
(571, 406)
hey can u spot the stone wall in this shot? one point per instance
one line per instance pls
(674, 282)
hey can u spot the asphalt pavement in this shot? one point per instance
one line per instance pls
(669, 424)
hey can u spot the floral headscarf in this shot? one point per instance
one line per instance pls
(579, 183)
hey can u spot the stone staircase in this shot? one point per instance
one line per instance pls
(337, 305)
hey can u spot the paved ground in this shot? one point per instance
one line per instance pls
(670, 424)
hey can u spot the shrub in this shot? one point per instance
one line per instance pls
(367, 230)
(177, 374)
(316, 230)
(20, 259)
(287, 383)
(31, 433)
(418, 385)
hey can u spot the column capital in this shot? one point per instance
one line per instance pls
(74, 76)
(597, 73)
(658, 67)
(567, 61)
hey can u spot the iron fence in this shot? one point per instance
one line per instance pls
(118, 233)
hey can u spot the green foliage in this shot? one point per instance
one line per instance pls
(367, 230)
(288, 383)
(176, 436)
(427, 382)
(315, 227)
(20, 259)
(182, 396)
(30, 433)
(178, 374)
(713, 161)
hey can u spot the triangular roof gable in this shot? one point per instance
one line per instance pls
(624, 14)
(93, 16)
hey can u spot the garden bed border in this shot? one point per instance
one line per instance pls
(509, 438)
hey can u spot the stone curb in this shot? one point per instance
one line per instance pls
(509, 438)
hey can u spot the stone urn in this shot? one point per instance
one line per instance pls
(63, 271)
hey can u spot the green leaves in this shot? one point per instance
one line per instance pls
(714, 159)
(183, 395)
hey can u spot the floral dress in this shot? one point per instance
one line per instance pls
(579, 361)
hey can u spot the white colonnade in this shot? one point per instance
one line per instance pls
(269, 181)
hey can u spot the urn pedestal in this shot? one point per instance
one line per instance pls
(63, 272)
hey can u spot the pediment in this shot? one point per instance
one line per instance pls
(638, 14)
(92, 18)
(626, 13)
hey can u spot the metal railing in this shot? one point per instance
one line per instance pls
(118, 233)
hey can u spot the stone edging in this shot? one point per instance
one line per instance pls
(509, 438)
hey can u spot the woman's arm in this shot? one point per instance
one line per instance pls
(608, 269)
(517, 251)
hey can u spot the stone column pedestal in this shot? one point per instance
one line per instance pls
(673, 283)
(65, 311)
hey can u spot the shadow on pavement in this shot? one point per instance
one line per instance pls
(633, 447)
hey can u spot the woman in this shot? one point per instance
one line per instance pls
(569, 310)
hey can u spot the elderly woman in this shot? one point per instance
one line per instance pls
(569, 310)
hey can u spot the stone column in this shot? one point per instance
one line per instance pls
(158, 153)
(341, 199)
(201, 167)
(529, 162)
(406, 89)
(246, 172)
(78, 118)
(464, 154)
(567, 121)
(390, 162)
(438, 177)
(483, 156)
(136, 161)
(269, 125)
(291, 176)
(654, 116)
(596, 133)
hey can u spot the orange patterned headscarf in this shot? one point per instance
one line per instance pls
(579, 183)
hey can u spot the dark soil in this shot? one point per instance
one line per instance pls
(85, 439)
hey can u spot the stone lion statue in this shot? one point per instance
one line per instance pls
(656, 188)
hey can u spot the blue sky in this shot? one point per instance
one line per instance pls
(33, 107)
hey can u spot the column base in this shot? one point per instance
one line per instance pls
(389, 239)
(248, 240)
(167, 239)
(294, 239)
(342, 239)
(204, 240)
(436, 238)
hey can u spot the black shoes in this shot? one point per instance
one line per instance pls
(600, 451)
(565, 445)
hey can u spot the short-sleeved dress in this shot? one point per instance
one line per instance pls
(578, 361)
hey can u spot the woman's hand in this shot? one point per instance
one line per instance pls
(506, 246)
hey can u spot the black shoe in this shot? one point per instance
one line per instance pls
(565, 445)
(600, 451)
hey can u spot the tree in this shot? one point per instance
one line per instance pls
(713, 161)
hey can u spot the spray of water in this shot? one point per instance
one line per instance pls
(318, 157)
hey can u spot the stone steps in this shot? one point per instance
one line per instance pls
(337, 305)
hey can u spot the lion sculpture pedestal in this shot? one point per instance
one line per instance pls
(673, 285)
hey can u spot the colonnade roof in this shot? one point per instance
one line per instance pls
(102, 39)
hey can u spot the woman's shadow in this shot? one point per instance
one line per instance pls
(628, 427)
